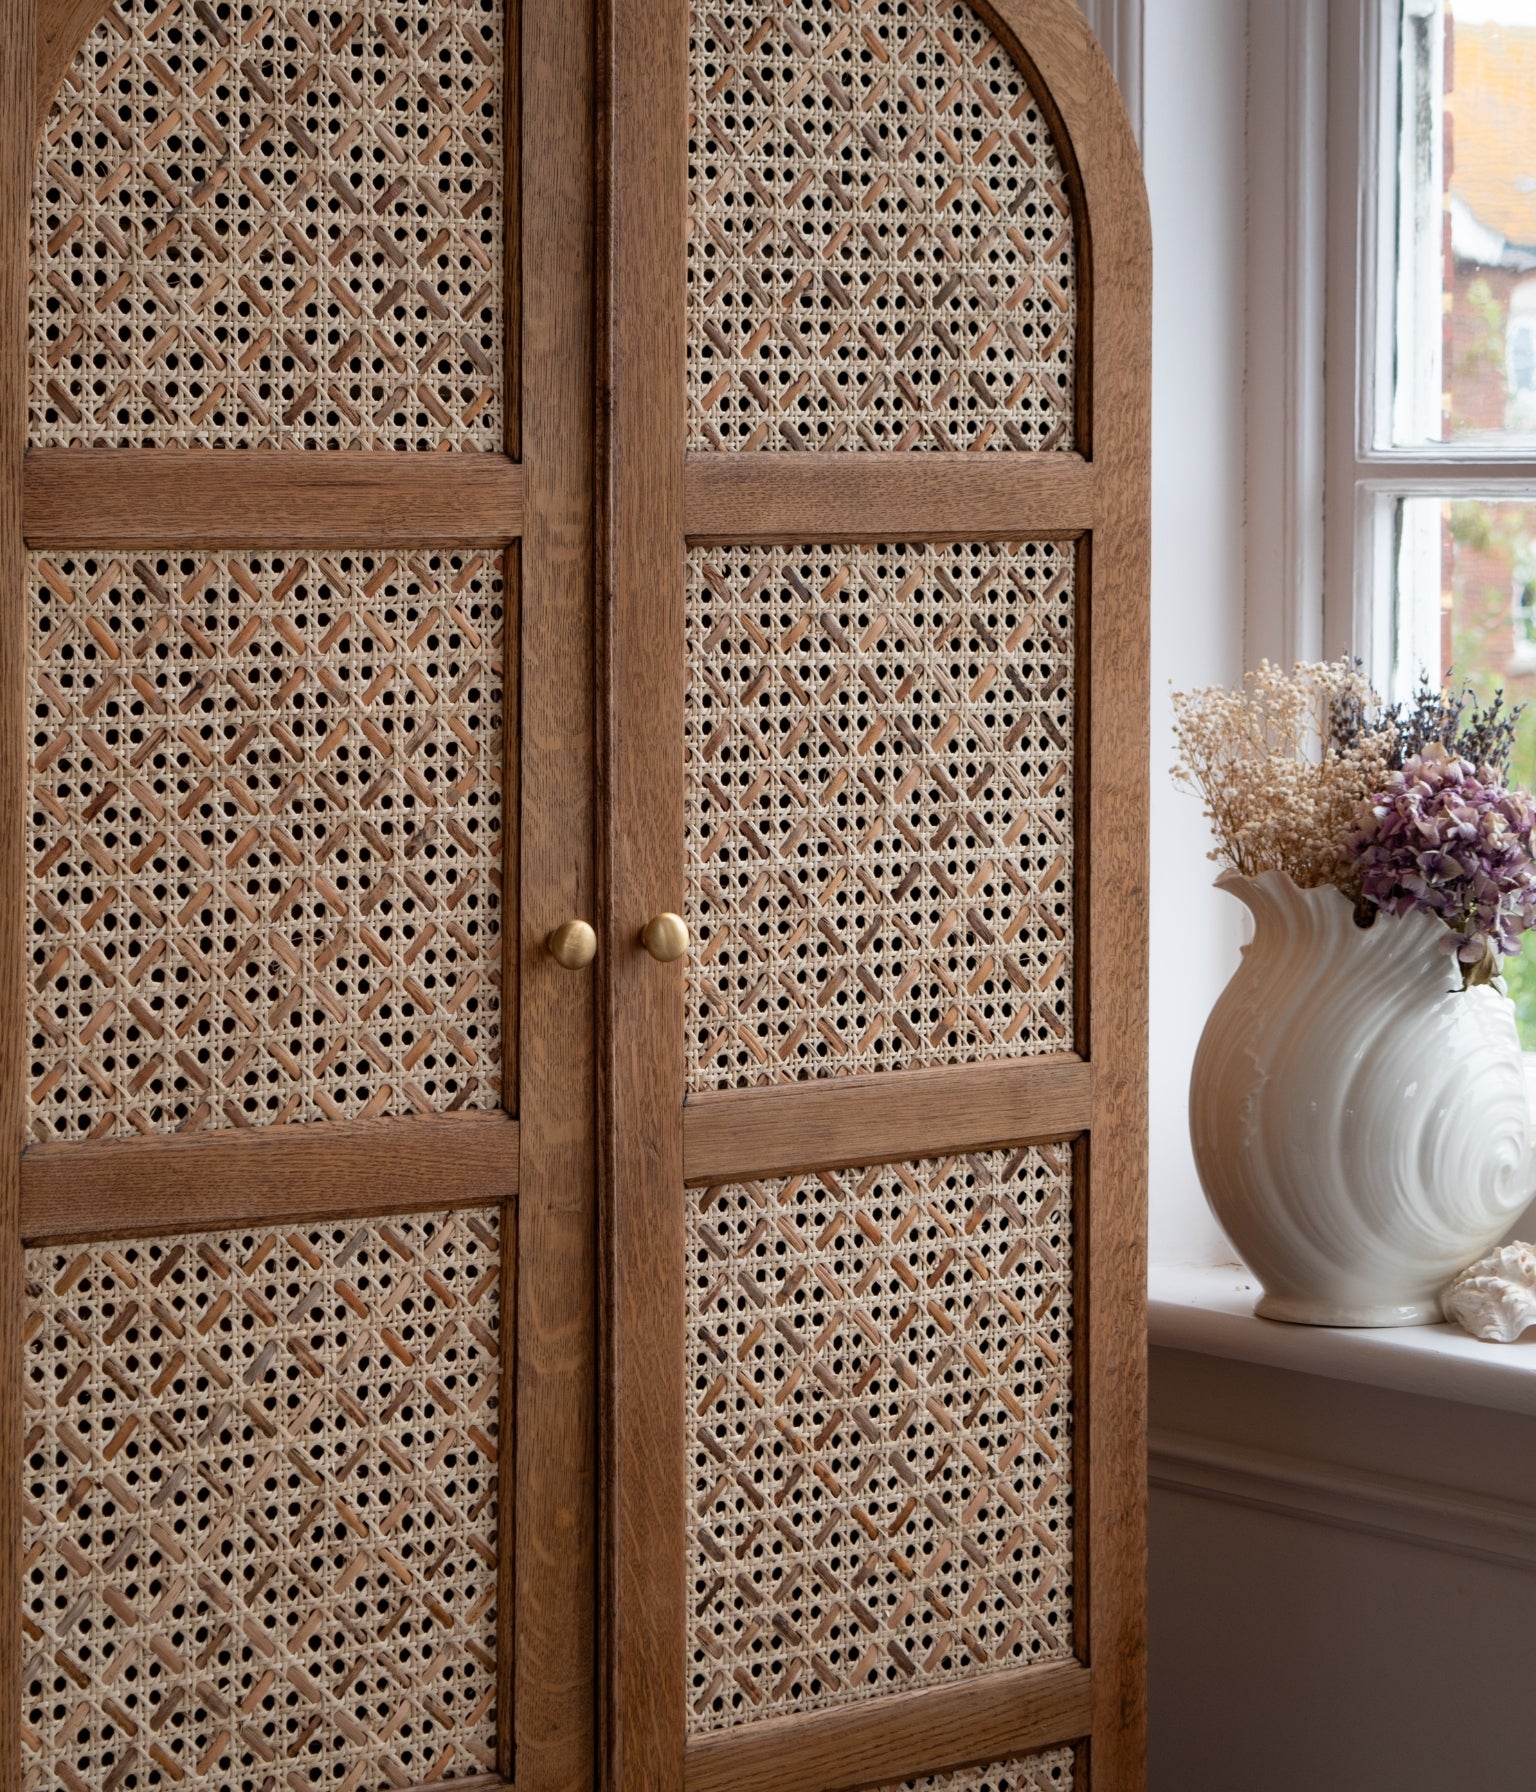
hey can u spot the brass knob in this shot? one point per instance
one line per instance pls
(573, 945)
(665, 937)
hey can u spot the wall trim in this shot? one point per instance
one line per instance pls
(1118, 25)
(1363, 1500)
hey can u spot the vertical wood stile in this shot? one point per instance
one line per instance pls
(17, 25)
(556, 1433)
(1115, 384)
(646, 48)
(512, 231)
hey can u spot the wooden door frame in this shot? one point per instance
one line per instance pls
(644, 49)
(535, 499)
(659, 498)
(554, 1541)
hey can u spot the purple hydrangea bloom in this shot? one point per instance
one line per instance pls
(1439, 839)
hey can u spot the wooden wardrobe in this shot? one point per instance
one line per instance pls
(470, 469)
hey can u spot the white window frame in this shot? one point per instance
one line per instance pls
(1523, 606)
(1363, 476)
(1287, 166)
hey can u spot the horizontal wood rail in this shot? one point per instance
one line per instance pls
(898, 1737)
(886, 497)
(230, 497)
(260, 1175)
(884, 1118)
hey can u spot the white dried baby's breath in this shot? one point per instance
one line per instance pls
(1280, 794)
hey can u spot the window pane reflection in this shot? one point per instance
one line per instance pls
(1465, 361)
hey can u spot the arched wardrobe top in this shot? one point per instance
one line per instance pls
(883, 242)
(881, 245)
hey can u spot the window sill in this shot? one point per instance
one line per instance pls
(1208, 1308)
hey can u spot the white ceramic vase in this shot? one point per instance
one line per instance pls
(1360, 1121)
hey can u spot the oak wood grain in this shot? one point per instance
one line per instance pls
(62, 26)
(109, 1188)
(221, 497)
(900, 1736)
(1077, 89)
(884, 1118)
(885, 497)
(512, 232)
(17, 63)
(645, 1583)
(553, 1649)
(511, 1049)
(506, 1509)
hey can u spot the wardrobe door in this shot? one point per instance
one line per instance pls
(296, 1261)
(878, 379)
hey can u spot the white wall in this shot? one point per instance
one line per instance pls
(1194, 62)
(1314, 1659)
(1382, 1647)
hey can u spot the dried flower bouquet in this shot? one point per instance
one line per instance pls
(1403, 807)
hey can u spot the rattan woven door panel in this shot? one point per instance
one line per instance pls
(298, 1184)
(228, 1487)
(879, 765)
(881, 251)
(880, 1465)
(267, 874)
(270, 226)
(877, 390)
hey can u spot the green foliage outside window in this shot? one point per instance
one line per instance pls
(1493, 549)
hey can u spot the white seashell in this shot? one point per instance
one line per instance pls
(1495, 1298)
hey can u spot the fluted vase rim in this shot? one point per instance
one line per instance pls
(1280, 885)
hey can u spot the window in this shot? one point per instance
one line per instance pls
(1432, 479)
(1520, 359)
(1523, 656)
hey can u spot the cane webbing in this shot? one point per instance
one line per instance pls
(879, 774)
(260, 1508)
(881, 249)
(879, 1431)
(273, 226)
(1048, 1772)
(265, 865)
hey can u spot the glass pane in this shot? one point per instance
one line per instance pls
(1465, 363)
(1466, 614)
